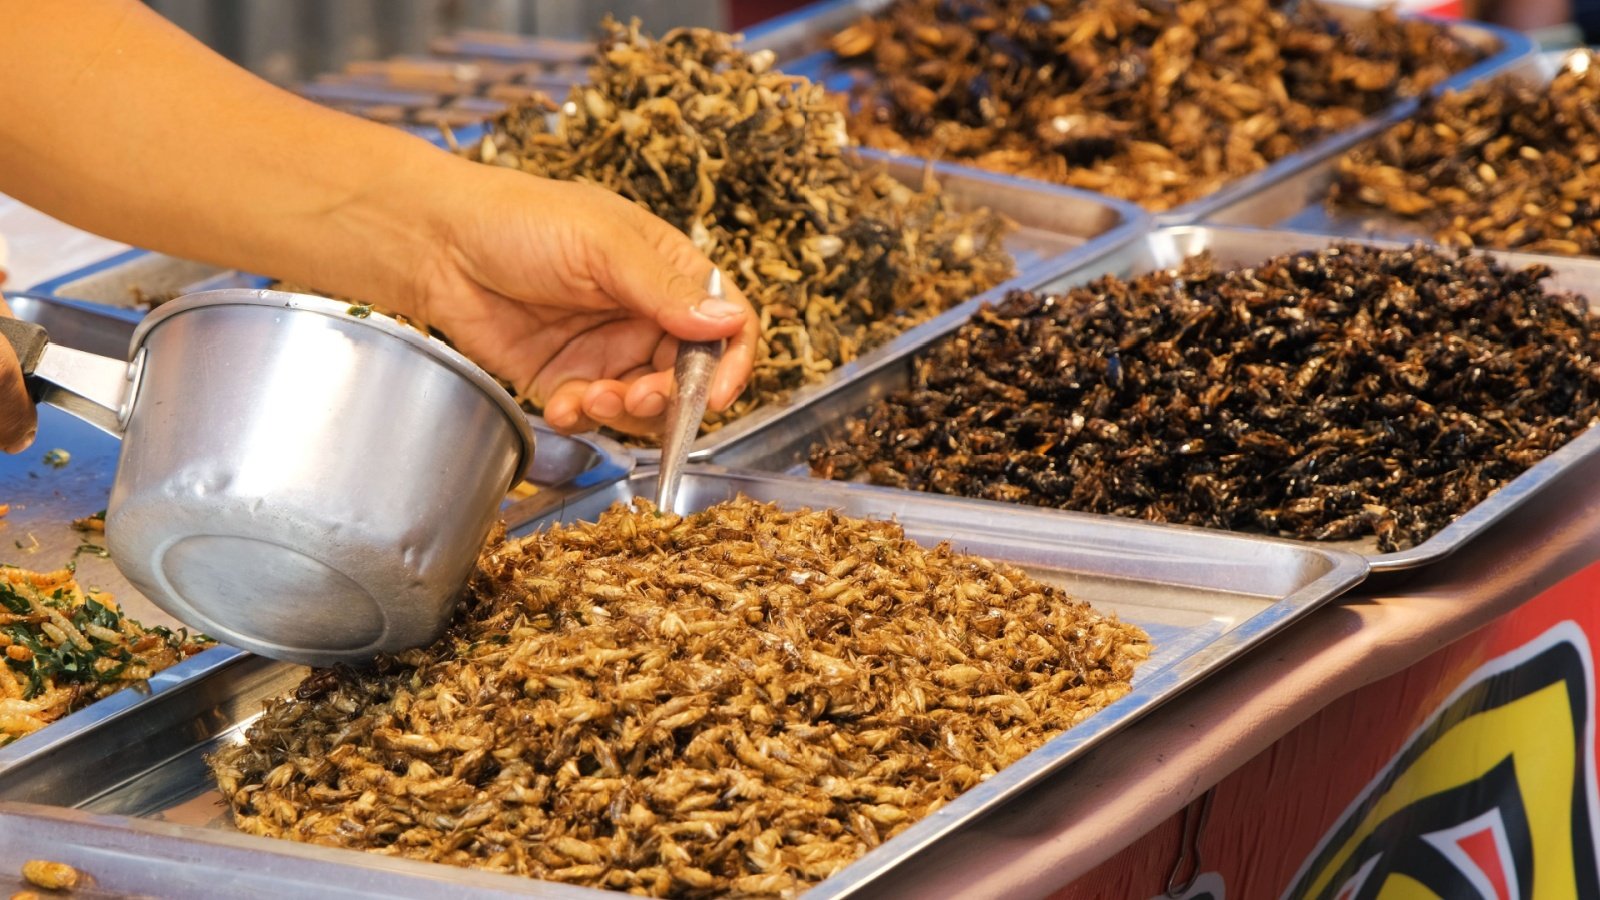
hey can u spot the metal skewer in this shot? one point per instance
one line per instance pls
(696, 361)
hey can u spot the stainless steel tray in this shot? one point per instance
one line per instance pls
(117, 281)
(476, 75)
(494, 45)
(152, 859)
(1298, 202)
(457, 83)
(1059, 229)
(784, 449)
(36, 532)
(800, 41)
(415, 111)
(83, 326)
(1204, 597)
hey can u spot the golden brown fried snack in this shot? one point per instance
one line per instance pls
(745, 700)
(1505, 165)
(1155, 103)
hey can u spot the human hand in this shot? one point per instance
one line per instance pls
(577, 296)
(18, 419)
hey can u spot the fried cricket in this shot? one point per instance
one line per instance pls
(742, 700)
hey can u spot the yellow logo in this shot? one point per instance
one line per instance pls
(1493, 798)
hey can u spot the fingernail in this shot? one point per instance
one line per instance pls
(731, 395)
(606, 406)
(653, 404)
(712, 308)
(561, 419)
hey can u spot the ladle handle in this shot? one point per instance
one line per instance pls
(96, 389)
(692, 373)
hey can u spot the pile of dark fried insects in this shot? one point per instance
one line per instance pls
(1155, 102)
(744, 700)
(1322, 395)
(753, 165)
(1507, 164)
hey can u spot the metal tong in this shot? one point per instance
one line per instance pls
(696, 361)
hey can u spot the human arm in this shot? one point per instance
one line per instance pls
(119, 123)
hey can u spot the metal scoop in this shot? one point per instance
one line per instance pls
(299, 477)
(696, 362)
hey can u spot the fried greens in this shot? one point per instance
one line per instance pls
(62, 648)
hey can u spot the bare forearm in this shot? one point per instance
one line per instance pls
(116, 121)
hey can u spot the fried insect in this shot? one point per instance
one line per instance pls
(753, 165)
(1159, 103)
(1506, 165)
(743, 700)
(1348, 393)
(52, 876)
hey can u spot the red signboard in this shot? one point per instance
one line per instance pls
(1469, 774)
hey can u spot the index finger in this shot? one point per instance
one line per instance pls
(737, 365)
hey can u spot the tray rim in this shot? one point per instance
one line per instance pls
(50, 288)
(116, 314)
(177, 847)
(129, 701)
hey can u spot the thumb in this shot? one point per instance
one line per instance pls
(639, 277)
(707, 318)
(656, 271)
(18, 422)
